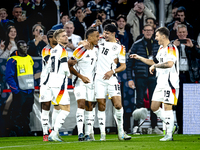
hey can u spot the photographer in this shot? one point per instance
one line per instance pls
(188, 54)
(180, 19)
(39, 42)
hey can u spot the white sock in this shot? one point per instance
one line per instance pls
(45, 121)
(93, 117)
(88, 122)
(160, 113)
(169, 117)
(54, 116)
(102, 121)
(60, 120)
(118, 115)
(80, 119)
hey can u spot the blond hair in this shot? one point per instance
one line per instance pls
(57, 32)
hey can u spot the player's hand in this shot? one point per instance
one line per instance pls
(131, 84)
(108, 74)
(85, 79)
(151, 69)
(135, 56)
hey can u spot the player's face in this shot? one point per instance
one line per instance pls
(62, 38)
(159, 38)
(108, 35)
(94, 37)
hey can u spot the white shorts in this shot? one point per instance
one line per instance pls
(84, 91)
(166, 95)
(104, 87)
(59, 96)
(45, 94)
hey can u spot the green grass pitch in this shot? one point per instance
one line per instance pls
(144, 142)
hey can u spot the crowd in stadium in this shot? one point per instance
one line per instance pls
(136, 22)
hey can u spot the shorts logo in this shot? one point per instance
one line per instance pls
(78, 94)
(42, 97)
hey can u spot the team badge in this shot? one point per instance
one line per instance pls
(114, 48)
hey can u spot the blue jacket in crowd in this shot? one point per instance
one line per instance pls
(140, 68)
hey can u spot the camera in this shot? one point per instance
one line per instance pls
(41, 32)
(70, 40)
(182, 41)
(99, 17)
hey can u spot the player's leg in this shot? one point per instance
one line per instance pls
(89, 120)
(80, 95)
(63, 101)
(100, 95)
(102, 117)
(45, 119)
(45, 99)
(80, 118)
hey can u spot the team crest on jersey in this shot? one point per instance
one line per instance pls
(114, 48)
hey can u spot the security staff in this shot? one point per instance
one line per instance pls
(19, 76)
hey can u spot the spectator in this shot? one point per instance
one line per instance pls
(146, 47)
(151, 22)
(39, 42)
(101, 17)
(180, 19)
(189, 73)
(72, 38)
(124, 36)
(79, 3)
(51, 13)
(97, 5)
(10, 43)
(79, 21)
(136, 18)
(63, 19)
(27, 7)
(123, 7)
(173, 13)
(3, 23)
(21, 24)
(19, 76)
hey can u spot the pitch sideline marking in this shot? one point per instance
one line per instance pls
(65, 142)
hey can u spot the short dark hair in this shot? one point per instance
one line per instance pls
(109, 21)
(154, 20)
(19, 43)
(147, 25)
(121, 16)
(90, 31)
(111, 28)
(181, 9)
(164, 31)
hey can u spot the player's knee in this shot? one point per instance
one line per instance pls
(46, 105)
(117, 106)
(153, 108)
(101, 107)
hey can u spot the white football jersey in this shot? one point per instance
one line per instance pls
(168, 76)
(45, 71)
(108, 51)
(86, 62)
(59, 70)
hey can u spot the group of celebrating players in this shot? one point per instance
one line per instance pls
(94, 74)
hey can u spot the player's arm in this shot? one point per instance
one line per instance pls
(74, 72)
(164, 65)
(144, 60)
(108, 74)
